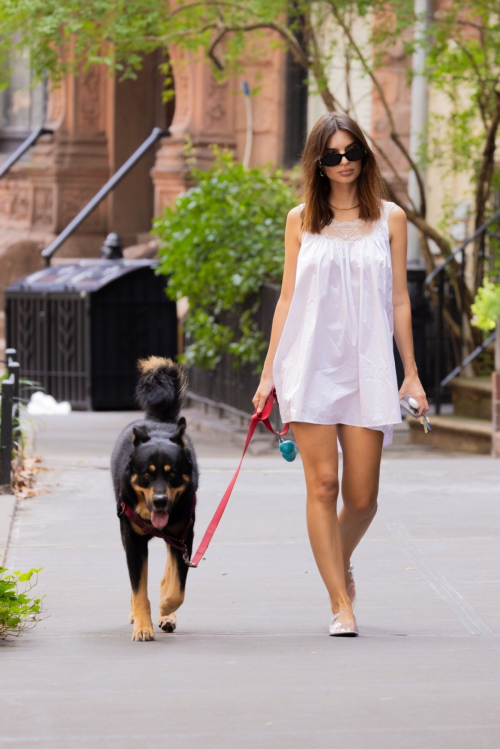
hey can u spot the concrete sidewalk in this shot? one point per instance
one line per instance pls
(251, 662)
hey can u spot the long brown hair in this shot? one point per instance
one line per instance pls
(370, 187)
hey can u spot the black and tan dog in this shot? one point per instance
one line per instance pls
(155, 477)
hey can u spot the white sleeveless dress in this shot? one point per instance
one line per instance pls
(335, 359)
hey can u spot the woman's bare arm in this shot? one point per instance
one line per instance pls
(293, 239)
(398, 237)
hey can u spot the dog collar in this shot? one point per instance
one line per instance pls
(176, 543)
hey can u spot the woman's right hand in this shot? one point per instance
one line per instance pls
(263, 392)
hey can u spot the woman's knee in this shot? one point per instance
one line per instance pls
(361, 507)
(324, 488)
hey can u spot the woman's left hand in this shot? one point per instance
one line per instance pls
(412, 387)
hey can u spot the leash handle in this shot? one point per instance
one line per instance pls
(264, 418)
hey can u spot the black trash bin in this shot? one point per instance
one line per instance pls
(80, 328)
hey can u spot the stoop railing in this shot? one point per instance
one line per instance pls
(25, 146)
(110, 185)
(436, 281)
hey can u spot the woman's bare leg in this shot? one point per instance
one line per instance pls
(361, 454)
(318, 448)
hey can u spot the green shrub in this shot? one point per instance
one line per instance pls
(219, 243)
(486, 305)
(17, 610)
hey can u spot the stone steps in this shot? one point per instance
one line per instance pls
(454, 432)
(472, 396)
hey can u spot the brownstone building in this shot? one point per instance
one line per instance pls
(97, 124)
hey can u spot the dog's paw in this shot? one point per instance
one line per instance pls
(143, 633)
(168, 623)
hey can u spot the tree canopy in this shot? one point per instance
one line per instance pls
(462, 63)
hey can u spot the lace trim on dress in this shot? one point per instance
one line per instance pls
(355, 231)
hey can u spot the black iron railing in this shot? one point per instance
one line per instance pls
(25, 145)
(226, 389)
(156, 134)
(438, 279)
(10, 419)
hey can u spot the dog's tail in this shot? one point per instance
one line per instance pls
(161, 388)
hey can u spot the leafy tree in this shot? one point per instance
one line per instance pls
(219, 243)
(463, 63)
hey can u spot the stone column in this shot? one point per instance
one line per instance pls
(69, 167)
(204, 110)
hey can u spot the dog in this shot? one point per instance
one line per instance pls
(155, 478)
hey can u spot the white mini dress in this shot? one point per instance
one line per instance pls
(335, 359)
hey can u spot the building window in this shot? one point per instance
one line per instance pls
(21, 108)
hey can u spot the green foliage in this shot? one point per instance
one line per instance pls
(67, 36)
(17, 610)
(486, 305)
(462, 65)
(219, 243)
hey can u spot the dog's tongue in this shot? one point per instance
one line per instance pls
(159, 519)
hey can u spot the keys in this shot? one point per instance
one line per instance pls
(410, 406)
(425, 421)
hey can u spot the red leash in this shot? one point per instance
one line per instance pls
(264, 418)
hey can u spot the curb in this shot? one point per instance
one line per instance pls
(7, 511)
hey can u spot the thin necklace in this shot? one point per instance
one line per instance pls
(344, 209)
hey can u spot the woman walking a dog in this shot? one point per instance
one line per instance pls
(330, 358)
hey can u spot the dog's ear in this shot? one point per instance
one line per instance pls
(140, 434)
(180, 437)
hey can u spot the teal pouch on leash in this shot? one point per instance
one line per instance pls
(288, 449)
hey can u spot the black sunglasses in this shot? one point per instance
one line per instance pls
(334, 159)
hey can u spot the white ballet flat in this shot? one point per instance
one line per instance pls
(347, 629)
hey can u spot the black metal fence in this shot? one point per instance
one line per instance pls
(80, 328)
(225, 387)
(9, 424)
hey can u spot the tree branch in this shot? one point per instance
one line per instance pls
(484, 184)
(393, 133)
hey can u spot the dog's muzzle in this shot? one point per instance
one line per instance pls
(160, 502)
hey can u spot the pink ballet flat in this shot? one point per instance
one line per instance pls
(347, 629)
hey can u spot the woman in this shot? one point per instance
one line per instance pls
(330, 357)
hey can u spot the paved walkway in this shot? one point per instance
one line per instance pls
(251, 663)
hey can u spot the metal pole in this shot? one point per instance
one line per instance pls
(25, 145)
(6, 435)
(248, 144)
(13, 369)
(157, 133)
(462, 303)
(439, 340)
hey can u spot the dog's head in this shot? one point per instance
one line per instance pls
(160, 471)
